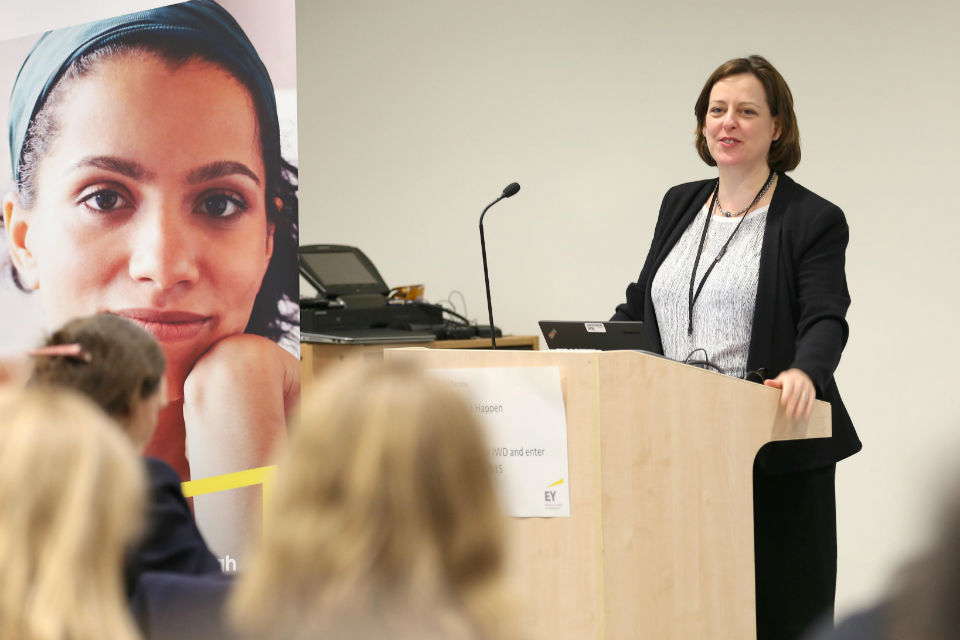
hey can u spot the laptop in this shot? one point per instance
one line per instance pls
(352, 302)
(600, 336)
(340, 271)
(366, 336)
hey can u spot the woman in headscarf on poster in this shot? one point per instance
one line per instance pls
(149, 184)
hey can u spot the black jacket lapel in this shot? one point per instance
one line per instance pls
(764, 320)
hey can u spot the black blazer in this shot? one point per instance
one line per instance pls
(179, 606)
(802, 299)
(171, 541)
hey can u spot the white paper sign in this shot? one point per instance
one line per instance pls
(522, 411)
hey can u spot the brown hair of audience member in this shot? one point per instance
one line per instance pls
(121, 369)
(385, 518)
(72, 488)
(924, 602)
(784, 152)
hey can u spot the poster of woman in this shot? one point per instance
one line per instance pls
(152, 174)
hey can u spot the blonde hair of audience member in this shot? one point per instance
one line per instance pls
(385, 520)
(72, 487)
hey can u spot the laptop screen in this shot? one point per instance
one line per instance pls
(337, 270)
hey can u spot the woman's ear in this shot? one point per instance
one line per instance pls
(16, 221)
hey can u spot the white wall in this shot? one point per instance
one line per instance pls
(415, 114)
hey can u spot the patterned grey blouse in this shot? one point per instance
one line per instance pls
(723, 313)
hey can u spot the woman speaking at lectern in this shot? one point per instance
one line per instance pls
(746, 271)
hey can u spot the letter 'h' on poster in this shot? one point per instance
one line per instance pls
(521, 410)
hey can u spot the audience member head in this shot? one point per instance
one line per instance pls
(385, 521)
(72, 489)
(924, 602)
(116, 363)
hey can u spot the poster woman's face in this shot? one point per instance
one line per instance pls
(150, 204)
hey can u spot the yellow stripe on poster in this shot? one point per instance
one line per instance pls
(236, 480)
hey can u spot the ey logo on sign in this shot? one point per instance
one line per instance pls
(550, 498)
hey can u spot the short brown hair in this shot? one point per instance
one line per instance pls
(784, 154)
(125, 362)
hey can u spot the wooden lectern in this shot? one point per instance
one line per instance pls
(659, 544)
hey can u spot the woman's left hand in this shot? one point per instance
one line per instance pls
(797, 394)
(237, 399)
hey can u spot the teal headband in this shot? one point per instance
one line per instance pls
(203, 24)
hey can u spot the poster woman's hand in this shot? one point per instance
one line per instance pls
(236, 401)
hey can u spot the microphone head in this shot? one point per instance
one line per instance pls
(511, 189)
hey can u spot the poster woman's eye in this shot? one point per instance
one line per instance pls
(221, 205)
(104, 200)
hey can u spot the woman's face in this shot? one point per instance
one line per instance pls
(738, 126)
(150, 205)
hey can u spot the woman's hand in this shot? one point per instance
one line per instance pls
(797, 394)
(236, 400)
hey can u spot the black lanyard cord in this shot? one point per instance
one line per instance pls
(691, 296)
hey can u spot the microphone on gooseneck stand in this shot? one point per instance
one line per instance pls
(508, 191)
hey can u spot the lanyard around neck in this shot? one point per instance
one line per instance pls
(692, 297)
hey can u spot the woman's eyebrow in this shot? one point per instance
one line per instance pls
(220, 169)
(130, 168)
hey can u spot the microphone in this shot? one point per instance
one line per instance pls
(508, 191)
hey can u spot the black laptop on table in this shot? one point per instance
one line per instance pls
(367, 336)
(352, 307)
